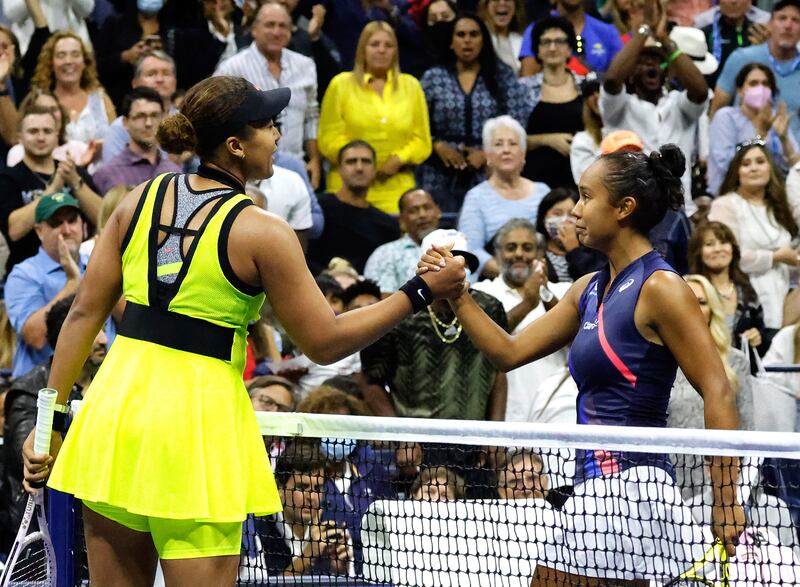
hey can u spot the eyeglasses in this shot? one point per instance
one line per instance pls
(756, 142)
(270, 405)
(556, 42)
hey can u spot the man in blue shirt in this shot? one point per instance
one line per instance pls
(598, 41)
(779, 53)
(37, 283)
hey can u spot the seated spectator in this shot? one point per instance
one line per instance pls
(361, 294)
(356, 474)
(66, 67)
(437, 483)
(779, 53)
(353, 227)
(556, 104)
(298, 540)
(505, 195)
(141, 160)
(686, 405)
(78, 151)
(521, 475)
(378, 104)
(755, 208)
(715, 254)
(36, 284)
(523, 289)
(272, 393)
(268, 64)
(597, 42)
(333, 292)
(437, 31)
(470, 79)
(38, 173)
(657, 116)
(155, 69)
(759, 114)
(392, 264)
(506, 21)
(585, 145)
(21, 411)
(288, 197)
(730, 25)
(567, 259)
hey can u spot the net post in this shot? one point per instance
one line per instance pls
(61, 520)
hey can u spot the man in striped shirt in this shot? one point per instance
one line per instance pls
(268, 64)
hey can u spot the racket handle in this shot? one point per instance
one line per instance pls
(44, 420)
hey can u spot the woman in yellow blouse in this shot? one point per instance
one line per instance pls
(378, 104)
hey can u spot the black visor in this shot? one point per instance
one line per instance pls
(257, 106)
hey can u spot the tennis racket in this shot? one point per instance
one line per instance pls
(32, 560)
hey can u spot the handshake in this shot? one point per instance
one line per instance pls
(444, 268)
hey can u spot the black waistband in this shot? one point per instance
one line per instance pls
(177, 331)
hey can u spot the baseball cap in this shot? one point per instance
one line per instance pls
(52, 203)
(784, 3)
(257, 106)
(619, 140)
(451, 236)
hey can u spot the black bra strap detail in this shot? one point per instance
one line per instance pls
(177, 230)
(177, 331)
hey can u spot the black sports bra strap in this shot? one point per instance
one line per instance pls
(177, 230)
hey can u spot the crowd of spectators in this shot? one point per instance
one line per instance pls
(411, 122)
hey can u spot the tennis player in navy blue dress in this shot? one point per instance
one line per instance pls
(631, 325)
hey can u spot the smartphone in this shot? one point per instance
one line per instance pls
(152, 40)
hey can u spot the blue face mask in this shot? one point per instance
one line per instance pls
(149, 6)
(338, 449)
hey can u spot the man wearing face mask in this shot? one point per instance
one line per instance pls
(779, 53)
(653, 113)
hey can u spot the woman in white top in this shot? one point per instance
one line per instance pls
(66, 68)
(506, 22)
(756, 210)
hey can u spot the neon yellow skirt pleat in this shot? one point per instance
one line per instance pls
(168, 434)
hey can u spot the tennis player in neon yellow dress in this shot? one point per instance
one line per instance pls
(165, 452)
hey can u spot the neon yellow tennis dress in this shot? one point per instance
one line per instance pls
(167, 428)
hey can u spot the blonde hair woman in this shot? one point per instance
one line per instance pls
(378, 104)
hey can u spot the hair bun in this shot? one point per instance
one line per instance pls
(672, 159)
(668, 165)
(176, 134)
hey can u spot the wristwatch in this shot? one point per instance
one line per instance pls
(644, 30)
(546, 295)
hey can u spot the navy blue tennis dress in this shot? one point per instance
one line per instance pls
(625, 519)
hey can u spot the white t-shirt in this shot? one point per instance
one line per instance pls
(288, 197)
(524, 400)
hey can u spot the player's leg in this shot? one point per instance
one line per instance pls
(212, 571)
(118, 555)
(196, 554)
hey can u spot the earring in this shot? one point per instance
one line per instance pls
(242, 155)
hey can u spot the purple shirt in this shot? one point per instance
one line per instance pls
(128, 168)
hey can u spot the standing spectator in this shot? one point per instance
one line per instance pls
(288, 197)
(154, 70)
(22, 63)
(345, 19)
(38, 173)
(657, 116)
(585, 145)
(353, 227)
(731, 25)
(523, 289)
(715, 254)
(567, 259)
(268, 64)
(471, 87)
(758, 114)
(596, 44)
(36, 284)
(124, 39)
(386, 108)
(392, 264)
(506, 21)
(556, 104)
(141, 159)
(755, 208)
(66, 68)
(779, 53)
(66, 15)
(437, 31)
(505, 195)
(627, 16)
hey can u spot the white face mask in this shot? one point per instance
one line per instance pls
(553, 223)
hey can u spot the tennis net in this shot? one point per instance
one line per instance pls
(410, 502)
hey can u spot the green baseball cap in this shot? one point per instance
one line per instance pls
(52, 203)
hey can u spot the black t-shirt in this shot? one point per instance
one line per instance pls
(350, 232)
(18, 186)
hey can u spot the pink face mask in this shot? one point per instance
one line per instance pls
(757, 96)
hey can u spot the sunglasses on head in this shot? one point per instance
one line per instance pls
(756, 142)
